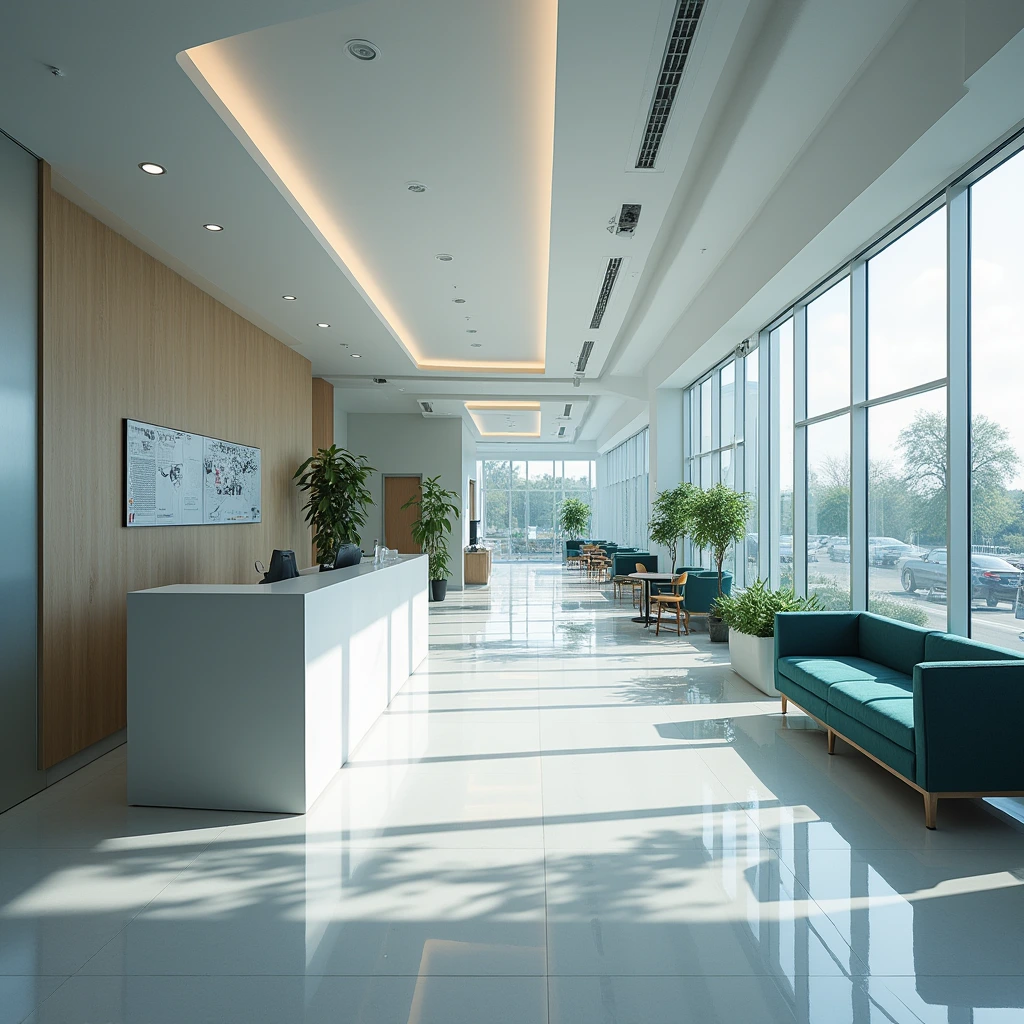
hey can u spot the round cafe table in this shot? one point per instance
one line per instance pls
(647, 578)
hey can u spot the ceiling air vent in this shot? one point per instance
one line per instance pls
(581, 363)
(624, 225)
(426, 406)
(610, 274)
(673, 63)
(561, 431)
(567, 411)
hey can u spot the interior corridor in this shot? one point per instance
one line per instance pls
(561, 818)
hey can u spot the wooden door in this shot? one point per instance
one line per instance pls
(398, 521)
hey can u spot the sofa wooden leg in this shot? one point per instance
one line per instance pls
(931, 807)
(785, 703)
(831, 742)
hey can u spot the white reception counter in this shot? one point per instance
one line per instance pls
(251, 697)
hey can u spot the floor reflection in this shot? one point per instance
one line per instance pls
(561, 818)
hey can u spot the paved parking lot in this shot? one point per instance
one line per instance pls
(989, 625)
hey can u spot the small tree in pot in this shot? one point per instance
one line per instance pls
(433, 525)
(718, 518)
(338, 496)
(574, 518)
(670, 519)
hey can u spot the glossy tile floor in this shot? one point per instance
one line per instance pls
(562, 818)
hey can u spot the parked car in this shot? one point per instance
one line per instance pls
(992, 579)
(839, 549)
(888, 550)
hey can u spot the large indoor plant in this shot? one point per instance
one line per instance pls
(574, 518)
(436, 508)
(338, 496)
(750, 618)
(718, 518)
(670, 519)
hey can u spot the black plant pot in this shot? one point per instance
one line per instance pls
(438, 590)
(718, 631)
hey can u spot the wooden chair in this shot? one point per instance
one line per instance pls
(621, 582)
(674, 598)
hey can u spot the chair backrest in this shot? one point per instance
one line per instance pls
(640, 567)
(680, 580)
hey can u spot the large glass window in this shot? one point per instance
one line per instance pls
(997, 435)
(750, 464)
(727, 405)
(873, 403)
(625, 502)
(907, 493)
(781, 340)
(828, 511)
(520, 502)
(907, 310)
(828, 350)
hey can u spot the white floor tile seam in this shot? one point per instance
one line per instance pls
(141, 910)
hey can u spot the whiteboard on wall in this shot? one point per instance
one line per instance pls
(176, 478)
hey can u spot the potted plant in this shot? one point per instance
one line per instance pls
(574, 518)
(750, 618)
(718, 518)
(670, 519)
(338, 496)
(431, 529)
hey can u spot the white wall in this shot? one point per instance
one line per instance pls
(405, 445)
(340, 422)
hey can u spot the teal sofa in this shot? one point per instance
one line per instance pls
(941, 712)
(625, 562)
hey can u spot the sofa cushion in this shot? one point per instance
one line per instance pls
(946, 647)
(892, 754)
(891, 643)
(819, 675)
(884, 705)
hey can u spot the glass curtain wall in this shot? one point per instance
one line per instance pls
(720, 446)
(520, 502)
(860, 461)
(625, 501)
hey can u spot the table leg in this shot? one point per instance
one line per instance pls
(645, 604)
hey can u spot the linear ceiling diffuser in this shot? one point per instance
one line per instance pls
(581, 363)
(610, 274)
(673, 63)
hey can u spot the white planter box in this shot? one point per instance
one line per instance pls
(753, 657)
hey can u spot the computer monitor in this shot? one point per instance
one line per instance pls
(282, 567)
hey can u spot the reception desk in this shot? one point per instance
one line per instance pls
(251, 697)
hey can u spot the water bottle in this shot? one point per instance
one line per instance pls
(376, 552)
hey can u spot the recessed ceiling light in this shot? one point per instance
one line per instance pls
(151, 168)
(458, 301)
(362, 49)
(416, 186)
(355, 355)
(323, 325)
(475, 344)
(213, 227)
(444, 257)
(472, 330)
(289, 298)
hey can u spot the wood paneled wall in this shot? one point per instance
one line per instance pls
(323, 414)
(124, 336)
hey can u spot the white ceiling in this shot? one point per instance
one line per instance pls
(302, 154)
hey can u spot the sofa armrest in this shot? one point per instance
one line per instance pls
(816, 633)
(967, 726)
